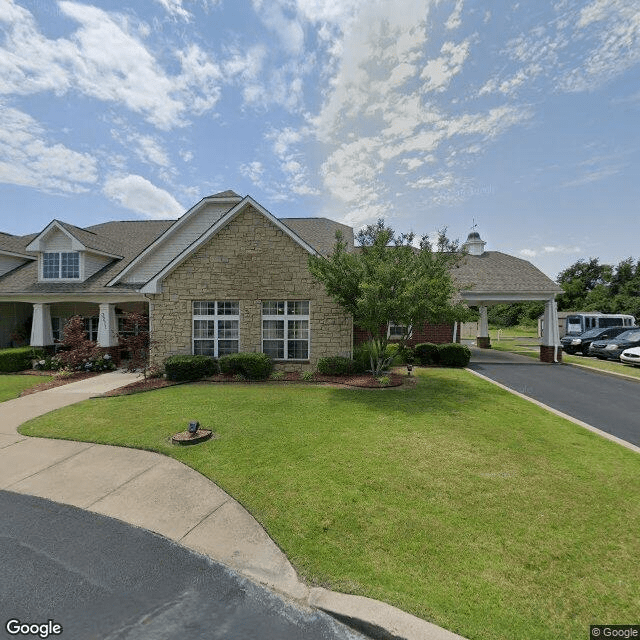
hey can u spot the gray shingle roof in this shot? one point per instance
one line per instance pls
(320, 233)
(494, 272)
(131, 237)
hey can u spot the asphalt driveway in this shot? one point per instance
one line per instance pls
(102, 579)
(608, 403)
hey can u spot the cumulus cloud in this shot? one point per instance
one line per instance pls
(27, 158)
(141, 196)
(105, 59)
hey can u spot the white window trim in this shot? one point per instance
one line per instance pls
(394, 337)
(285, 318)
(80, 277)
(214, 318)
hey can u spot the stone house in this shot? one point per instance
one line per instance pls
(225, 277)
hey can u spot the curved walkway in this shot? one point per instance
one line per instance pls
(163, 495)
(606, 404)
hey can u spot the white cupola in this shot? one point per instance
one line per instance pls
(474, 244)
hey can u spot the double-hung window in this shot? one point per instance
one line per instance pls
(61, 265)
(216, 327)
(285, 329)
(398, 331)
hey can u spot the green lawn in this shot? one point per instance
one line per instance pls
(12, 386)
(455, 501)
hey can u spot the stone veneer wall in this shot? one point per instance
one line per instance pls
(249, 260)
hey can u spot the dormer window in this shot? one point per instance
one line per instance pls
(61, 265)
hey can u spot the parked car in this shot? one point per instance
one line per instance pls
(631, 356)
(611, 349)
(581, 343)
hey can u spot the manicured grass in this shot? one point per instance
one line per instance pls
(455, 501)
(12, 386)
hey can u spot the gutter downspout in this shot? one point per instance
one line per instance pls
(455, 330)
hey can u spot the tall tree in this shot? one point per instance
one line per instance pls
(388, 280)
(579, 280)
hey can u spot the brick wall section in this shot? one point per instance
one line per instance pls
(249, 260)
(435, 333)
(547, 353)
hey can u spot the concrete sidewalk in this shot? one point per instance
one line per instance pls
(162, 495)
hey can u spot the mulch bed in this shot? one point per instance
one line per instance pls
(359, 381)
(57, 382)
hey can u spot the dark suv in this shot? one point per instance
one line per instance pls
(581, 343)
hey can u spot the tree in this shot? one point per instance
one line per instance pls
(579, 280)
(590, 286)
(390, 280)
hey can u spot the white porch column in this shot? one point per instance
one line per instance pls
(41, 332)
(549, 348)
(482, 339)
(107, 325)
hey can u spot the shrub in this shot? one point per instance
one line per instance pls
(48, 363)
(427, 353)
(384, 381)
(307, 376)
(18, 359)
(253, 366)
(336, 366)
(185, 367)
(277, 375)
(454, 355)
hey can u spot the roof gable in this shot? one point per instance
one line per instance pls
(229, 198)
(81, 240)
(153, 285)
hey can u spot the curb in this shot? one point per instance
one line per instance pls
(376, 619)
(560, 414)
(614, 374)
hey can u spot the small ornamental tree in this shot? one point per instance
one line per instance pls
(389, 280)
(77, 349)
(135, 339)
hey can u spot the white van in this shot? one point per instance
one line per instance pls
(577, 323)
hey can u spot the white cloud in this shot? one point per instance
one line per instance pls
(175, 9)
(254, 171)
(106, 59)
(138, 194)
(455, 20)
(28, 159)
(439, 71)
(550, 249)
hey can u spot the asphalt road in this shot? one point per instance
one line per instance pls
(102, 579)
(609, 403)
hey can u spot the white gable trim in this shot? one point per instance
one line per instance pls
(170, 231)
(38, 243)
(154, 285)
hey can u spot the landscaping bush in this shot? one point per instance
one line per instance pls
(337, 366)
(253, 366)
(454, 355)
(18, 359)
(426, 353)
(182, 368)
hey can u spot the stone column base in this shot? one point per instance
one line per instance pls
(483, 342)
(547, 353)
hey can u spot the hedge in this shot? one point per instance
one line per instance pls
(427, 353)
(454, 355)
(185, 367)
(337, 366)
(18, 359)
(254, 366)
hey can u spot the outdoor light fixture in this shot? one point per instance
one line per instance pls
(194, 425)
(409, 369)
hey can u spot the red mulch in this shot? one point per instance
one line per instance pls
(57, 382)
(360, 381)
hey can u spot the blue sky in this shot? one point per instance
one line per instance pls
(521, 117)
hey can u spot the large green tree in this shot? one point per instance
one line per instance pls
(389, 280)
(591, 286)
